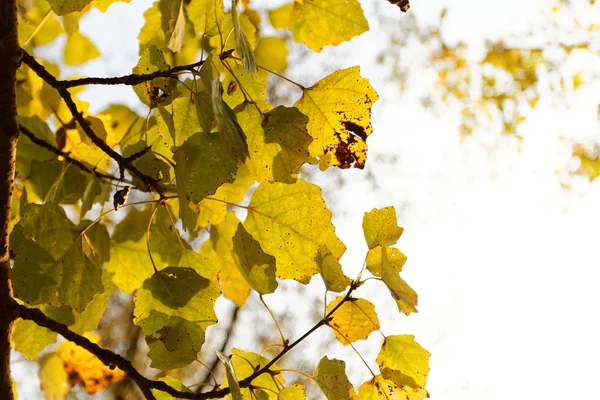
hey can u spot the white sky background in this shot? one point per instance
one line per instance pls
(504, 260)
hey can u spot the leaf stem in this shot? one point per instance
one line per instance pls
(274, 73)
(148, 235)
(353, 348)
(283, 339)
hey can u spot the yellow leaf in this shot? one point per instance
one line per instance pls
(218, 250)
(257, 267)
(207, 16)
(291, 222)
(79, 49)
(374, 260)
(379, 388)
(277, 142)
(280, 17)
(83, 367)
(172, 23)
(317, 23)
(151, 33)
(246, 363)
(339, 112)
(331, 378)
(103, 5)
(331, 270)
(292, 392)
(406, 298)
(271, 53)
(53, 377)
(354, 320)
(380, 227)
(403, 361)
(62, 7)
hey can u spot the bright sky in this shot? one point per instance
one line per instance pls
(504, 260)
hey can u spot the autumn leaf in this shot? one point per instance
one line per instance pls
(339, 112)
(291, 222)
(317, 23)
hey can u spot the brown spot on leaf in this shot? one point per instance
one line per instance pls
(231, 87)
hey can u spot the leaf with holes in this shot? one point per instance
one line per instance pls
(291, 222)
(339, 112)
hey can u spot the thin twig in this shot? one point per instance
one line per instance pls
(42, 143)
(213, 366)
(124, 163)
(131, 79)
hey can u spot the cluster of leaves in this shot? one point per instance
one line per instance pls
(497, 89)
(210, 138)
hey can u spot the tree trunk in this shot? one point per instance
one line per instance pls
(9, 131)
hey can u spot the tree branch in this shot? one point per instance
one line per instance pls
(66, 155)
(131, 79)
(124, 163)
(111, 358)
(9, 134)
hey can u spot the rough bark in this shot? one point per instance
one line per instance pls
(9, 131)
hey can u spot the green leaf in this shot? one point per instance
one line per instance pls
(173, 342)
(339, 112)
(291, 222)
(277, 142)
(246, 363)
(53, 377)
(406, 298)
(56, 181)
(232, 136)
(159, 90)
(381, 228)
(95, 191)
(27, 151)
(30, 339)
(62, 7)
(232, 381)
(241, 41)
(174, 307)
(403, 361)
(331, 270)
(379, 388)
(55, 261)
(174, 383)
(172, 22)
(292, 392)
(331, 378)
(202, 165)
(354, 320)
(184, 120)
(257, 267)
(212, 210)
(218, 250)
(129, 260)
(88, 320)
(207, 16)
(317, 23)
(160, 293)
(175, 286)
